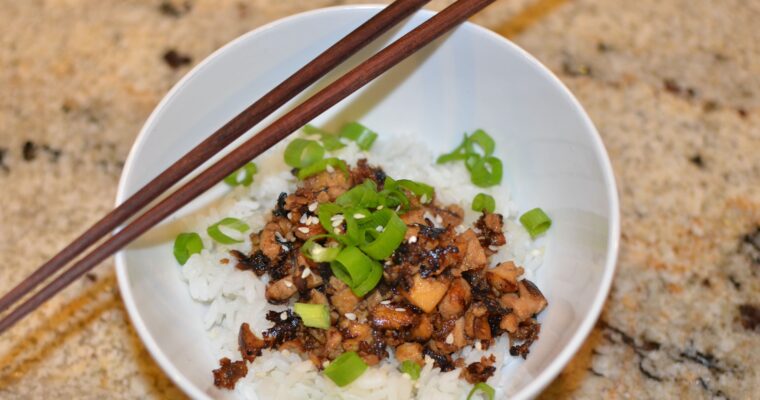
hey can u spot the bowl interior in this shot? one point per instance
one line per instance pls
(469, 79)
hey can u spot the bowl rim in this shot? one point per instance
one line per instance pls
(541, 380)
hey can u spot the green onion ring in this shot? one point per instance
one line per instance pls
(363, 136)
(249, 170)
(411, 368)
(373, 278)
(351, 266)
(313, 315)
(320, 166)
(301, 153)
(346, 368)
(185, 245)
(536, 222)
(317, 252)
(389, 239)
(483, 202)
(483, 387)
(486, 171)
(215, 233)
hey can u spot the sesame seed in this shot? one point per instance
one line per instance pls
(303, 229)
(424, 198)
(312, 221)
(313, 206)
(337, 223)
(279, 236)
(290, 215)
(337, 217)
(283, 247)
(283, 315)
(493, 248)
(306, 272)
(379, 228)
(330, 168)
(460, 229)
(438, 219)
(380, 207)
(413, 239)
(450, 338)
(478, 345)
(350, 316)
(337, 231)
(385, 302)
(289, 284)
(476, 230)
(303, 219)
(401, 309)
(358, 215)
(325, 364)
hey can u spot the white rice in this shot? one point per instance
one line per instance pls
(234, 296)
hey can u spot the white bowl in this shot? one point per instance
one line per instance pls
(472, 78)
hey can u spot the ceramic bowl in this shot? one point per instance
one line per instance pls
(471, 78)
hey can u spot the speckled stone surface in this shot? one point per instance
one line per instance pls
(673, 86)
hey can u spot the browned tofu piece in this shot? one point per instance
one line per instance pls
(426, 293)
(504, 277)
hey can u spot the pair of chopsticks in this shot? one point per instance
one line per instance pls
(370, 69)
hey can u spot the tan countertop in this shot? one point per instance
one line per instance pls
(673, 86)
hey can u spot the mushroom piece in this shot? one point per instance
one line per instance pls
(528, 302)
(426, 293)
(249, 345)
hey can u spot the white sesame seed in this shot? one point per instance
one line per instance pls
(289, 284)
(313, 221)
(379, 228)
(279, 236)
(306, 272)
(358, 215)
(428, 216)
(424, 198)
(337, 217)
(290, 215)
(313, 206)
(283, 315)
(460, 229)
(401, 309)
(337, 231)
(438, 219)
(325, 363)
(413, 239)
(283, 247)
(398, 208)
(337, 223)
(350, 316)
(385, 302)
(303, 229)
(304, 219)
(330, 168)
(450, 338)
(478, 345)
(380, 207)
(476, 230)
(493, 248)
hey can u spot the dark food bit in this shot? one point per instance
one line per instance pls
(29, 151)
(750, 316)
(480, 371)
(436, 296)
(229, 373)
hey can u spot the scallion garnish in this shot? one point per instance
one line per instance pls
(411, 368)
(363, 136)
(485, 169)
(483, 202)
(351, 266)
(313, 315)
(243, 176)
(346, 368)
(369, 283)
(487, 390)
(317, 252)
(360, 196)
(536, 222)
(391, 236)
(330, 141)
(301, 153)
(215, 232)
(185, 245)
(322, 165)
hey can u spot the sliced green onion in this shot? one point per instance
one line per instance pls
(373, 278)
(388, 240)
(313, 315)
(301, 153)
(232, 223)
(485, 171)
(483, 202)
(393, 199)
(317, 252)
(536, 222)
(363, 136)
(321, 165)
(460, 153)
(351, 266)
(483, 140)
(329, 140)
(346, 368)
(243, 176)
(185, 245)
(411, 368)
(424, 191)
(360, 196)
(487, 390)
(325, 212)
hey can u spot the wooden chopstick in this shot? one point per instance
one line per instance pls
(274, 99)
(269, 136)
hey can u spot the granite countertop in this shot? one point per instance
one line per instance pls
(673, 86)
